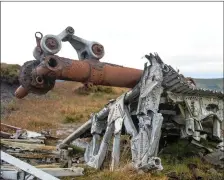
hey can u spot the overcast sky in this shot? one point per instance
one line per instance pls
(186, 35)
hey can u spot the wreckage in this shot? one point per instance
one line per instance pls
(28, 155)
(161, 102)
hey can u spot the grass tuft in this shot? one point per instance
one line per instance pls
(9, 73)
(95, 90)
(73, 119)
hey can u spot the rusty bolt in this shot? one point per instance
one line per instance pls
(97, 49)
(70, 30)
(39, 80)
(51, 43)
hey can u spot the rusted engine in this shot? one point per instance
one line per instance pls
(161, 103)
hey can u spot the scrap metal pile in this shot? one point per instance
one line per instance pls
(161, 103)
(28, 145)
(26, 155)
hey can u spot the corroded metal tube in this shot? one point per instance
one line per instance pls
(85, 71)
(93, 71)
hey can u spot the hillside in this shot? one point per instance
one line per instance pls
(62, 105)
(214, 84)
(66, 107)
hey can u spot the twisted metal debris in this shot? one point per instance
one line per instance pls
(161, 103)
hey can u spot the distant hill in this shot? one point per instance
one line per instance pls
(213, 84)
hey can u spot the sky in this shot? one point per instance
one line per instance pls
(186, 35)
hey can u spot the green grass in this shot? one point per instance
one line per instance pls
(177, 157)
(176, 160)
(73, 118)
(9, 73)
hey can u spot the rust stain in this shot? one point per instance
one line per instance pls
(121, 76)
(78, 71)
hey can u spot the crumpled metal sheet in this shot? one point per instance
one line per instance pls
(31, 134)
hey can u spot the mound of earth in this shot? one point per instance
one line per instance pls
(9, 83)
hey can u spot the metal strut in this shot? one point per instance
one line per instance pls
(27, 168)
